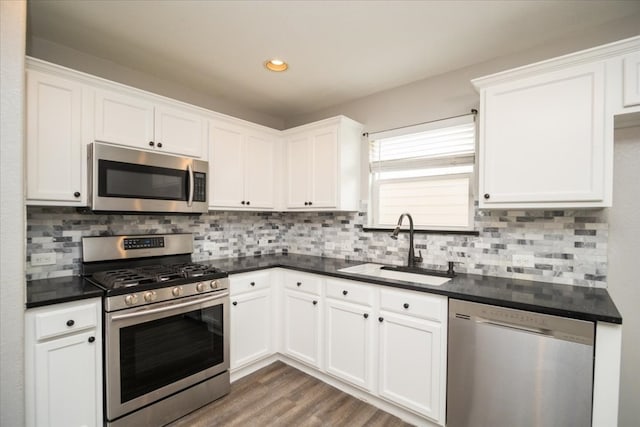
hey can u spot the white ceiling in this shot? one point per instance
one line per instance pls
(337, 50)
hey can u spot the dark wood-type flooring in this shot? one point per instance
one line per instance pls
(279, 395)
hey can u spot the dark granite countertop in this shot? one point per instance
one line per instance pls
(578, 302)
(60, 289)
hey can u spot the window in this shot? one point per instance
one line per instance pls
(425, 170)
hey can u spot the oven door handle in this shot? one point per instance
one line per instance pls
(191, 185)
(167, 308)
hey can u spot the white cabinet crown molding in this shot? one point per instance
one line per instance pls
(597, 53)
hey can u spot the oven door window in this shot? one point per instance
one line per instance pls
(157, 353)
(129, 180)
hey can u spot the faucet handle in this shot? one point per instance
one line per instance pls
(418, 259)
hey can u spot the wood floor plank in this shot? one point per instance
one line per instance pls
(279, 395)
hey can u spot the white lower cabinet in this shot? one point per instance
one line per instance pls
(64, 365)
(251, 318)
(301, 324)
(349, 342)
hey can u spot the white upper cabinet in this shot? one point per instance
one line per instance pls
(138, 121)
(546, 129)
(542, 140)
(56, 149)
(631, 70)
(323, 165)
(242, 161)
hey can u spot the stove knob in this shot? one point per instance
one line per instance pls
(177, 291)
(200, 287)
(131, 299)
(150, 296)
(214, 284)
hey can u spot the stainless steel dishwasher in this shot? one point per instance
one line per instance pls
(514, 368)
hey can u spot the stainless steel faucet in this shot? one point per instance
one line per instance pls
(413, 260)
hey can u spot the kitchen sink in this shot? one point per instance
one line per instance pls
(377, 270)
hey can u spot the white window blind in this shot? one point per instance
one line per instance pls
(425, 170)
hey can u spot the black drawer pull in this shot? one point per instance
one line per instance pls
(253, 283)
(91, 339)
(76, 194)
(315, 302)
(405, 305)
(235, 303)
(345, 292)
(366, 315)
(159, 144)
(486, 195)
(151, 143)
(299, 283)
(380, 319)
(70, 323)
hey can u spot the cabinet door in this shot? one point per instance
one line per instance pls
(542, 140)
(250, 327)
(302, 327)
(349, 351)
(259, 171)
(631, 69)
(67, 391)
(55, 161)
(324, 168)
(123, 119)
(226, 165)
(411, 363)
(179, 131)
(298, 173)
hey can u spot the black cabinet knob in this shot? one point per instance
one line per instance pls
(235, 303)
(380, 319)
(486, 195)
(405, 305)
(70, 323)
(91, 339)
(310, 203)
(315, 302)
(159, 144)
(366, 315)
(306, 203)
(76, 194)
(345, 292)
(252, 283)
(242, 202)
(298, 284)
(248, 203)
(151, 143)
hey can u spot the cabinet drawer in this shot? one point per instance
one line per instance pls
(303, 282)
(247, 282)
(431, 307)
(65, 321)
(343, 290)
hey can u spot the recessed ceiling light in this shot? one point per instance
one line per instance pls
(276, 65)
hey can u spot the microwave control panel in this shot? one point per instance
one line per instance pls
(199, 187)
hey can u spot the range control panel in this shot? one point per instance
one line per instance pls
(143, 242)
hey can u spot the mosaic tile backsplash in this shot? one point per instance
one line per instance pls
(568, 247)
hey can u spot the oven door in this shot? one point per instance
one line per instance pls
(154, 351)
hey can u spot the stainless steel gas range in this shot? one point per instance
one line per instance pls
(166, 327)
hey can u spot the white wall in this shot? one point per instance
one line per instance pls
(65, 56)
(623, 254)
(12, 212)
(452, 94)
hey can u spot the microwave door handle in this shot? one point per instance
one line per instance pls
(191, 185)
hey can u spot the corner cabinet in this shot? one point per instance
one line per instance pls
(56, 152)
(323, 165)
(546, 129)
(63, 368)
(243, 164)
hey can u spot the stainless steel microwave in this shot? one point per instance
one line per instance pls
(130, 180)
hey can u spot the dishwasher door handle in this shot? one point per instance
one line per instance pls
(532, 329)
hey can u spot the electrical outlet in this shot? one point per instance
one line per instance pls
(48, 258)
(523, 260)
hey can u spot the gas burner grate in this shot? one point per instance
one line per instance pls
(195, 270)
(123, 278)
